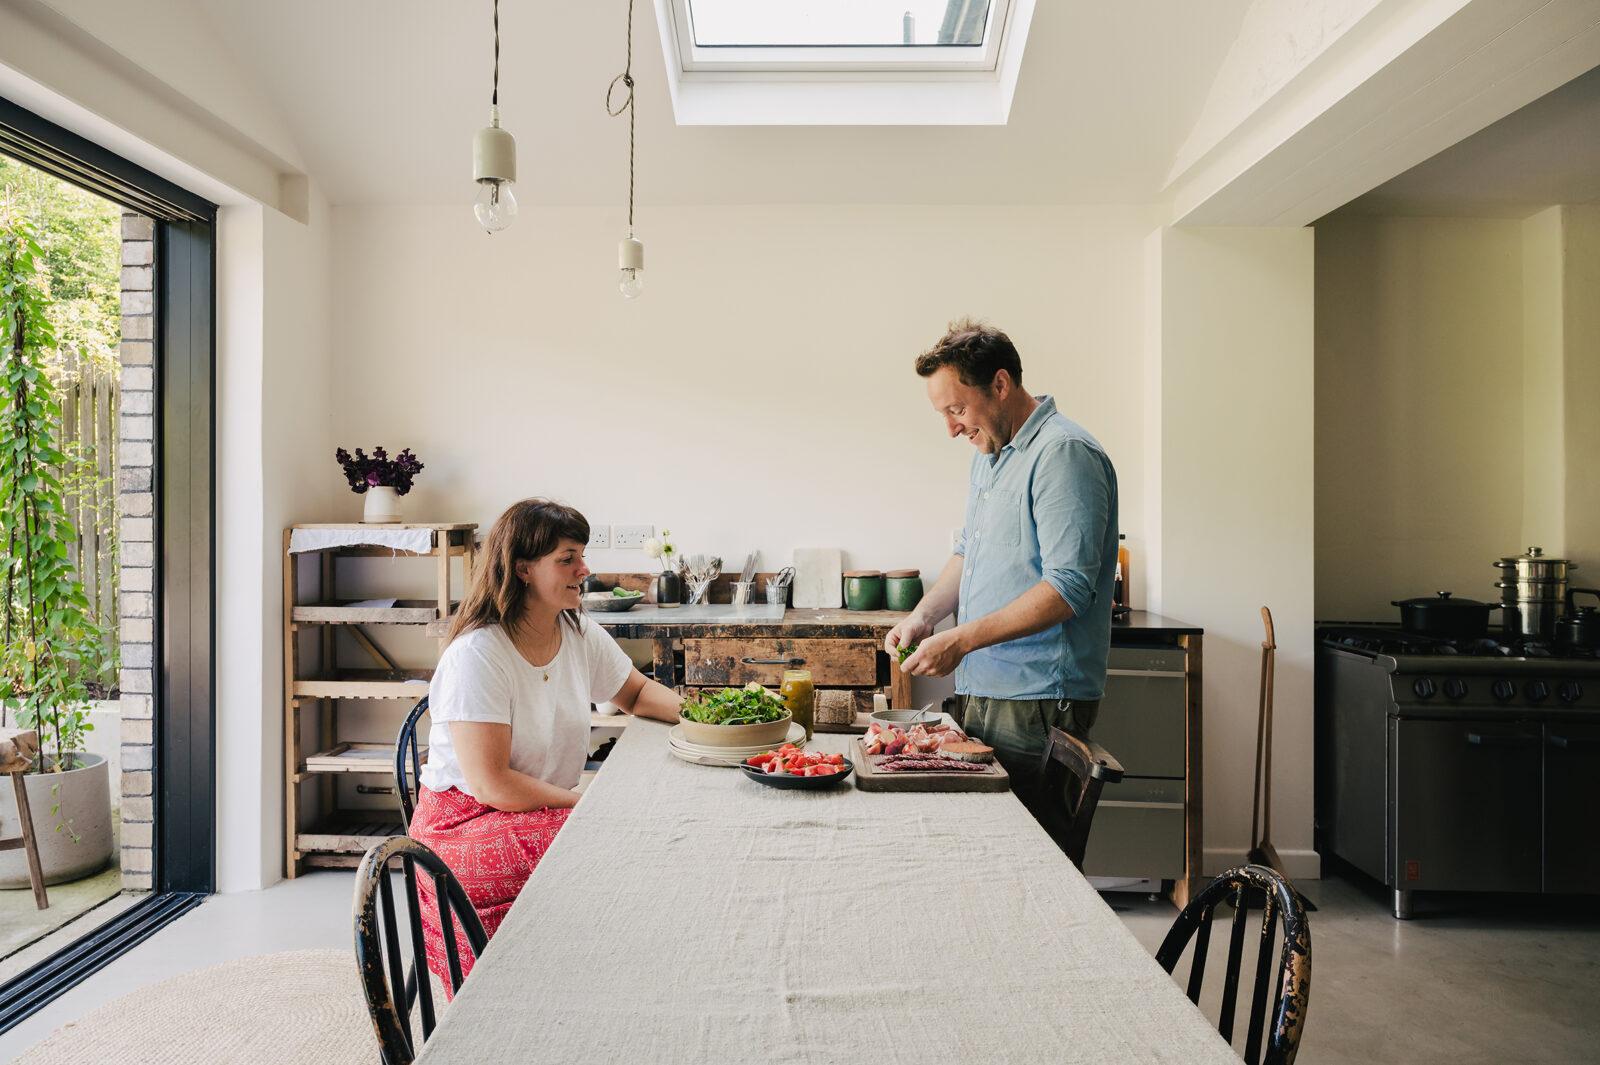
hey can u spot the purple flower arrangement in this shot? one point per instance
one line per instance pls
(378, 470)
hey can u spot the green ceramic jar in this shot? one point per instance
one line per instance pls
(902, 589)
(863, 589)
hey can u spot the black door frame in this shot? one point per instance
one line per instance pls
(184, 846)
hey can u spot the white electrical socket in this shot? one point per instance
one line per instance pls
(599, 536)
(631, 537)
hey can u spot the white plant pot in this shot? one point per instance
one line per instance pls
(382, 506)
(81, 799)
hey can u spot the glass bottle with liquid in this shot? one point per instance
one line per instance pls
(800, 696)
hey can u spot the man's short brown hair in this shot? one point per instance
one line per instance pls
(977, 350)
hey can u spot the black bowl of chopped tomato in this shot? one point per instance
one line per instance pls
(811, 778)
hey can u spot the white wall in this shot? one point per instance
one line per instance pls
(1419, 409)
(1544, 458)
(1581, 387)
(273, 425)
(759, 394)
(1235, 309)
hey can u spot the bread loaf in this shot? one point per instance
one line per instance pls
(836, 707)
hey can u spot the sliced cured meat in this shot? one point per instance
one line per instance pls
(928, 763)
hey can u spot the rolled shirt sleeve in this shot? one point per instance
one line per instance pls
(1071, 507)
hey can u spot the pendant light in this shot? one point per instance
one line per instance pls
(494, 158)
(630, 253)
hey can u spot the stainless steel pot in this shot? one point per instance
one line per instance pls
(1534, 566)
(1533, 592)
(1535, 618)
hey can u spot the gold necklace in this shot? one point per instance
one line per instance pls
(544, 670)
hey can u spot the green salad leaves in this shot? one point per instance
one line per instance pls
(734, 706)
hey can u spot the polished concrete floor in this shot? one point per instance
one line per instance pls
(1468, 982)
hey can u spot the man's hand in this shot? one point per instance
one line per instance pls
(913, 630)
(937, 655)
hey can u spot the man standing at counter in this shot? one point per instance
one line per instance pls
(1030, 581)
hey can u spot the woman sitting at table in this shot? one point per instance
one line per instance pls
(510, 706)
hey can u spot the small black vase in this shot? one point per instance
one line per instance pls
(669, 589)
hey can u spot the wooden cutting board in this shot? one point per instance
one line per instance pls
(870, 778)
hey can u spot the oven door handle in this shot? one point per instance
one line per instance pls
(1478, 739)
(1570, 743)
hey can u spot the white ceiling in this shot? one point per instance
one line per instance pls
(383, 97)
(1546, 153)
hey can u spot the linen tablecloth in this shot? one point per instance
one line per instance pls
(688, 915)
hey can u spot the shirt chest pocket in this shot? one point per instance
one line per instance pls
(999, 516)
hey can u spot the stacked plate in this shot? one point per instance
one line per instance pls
(700, 754)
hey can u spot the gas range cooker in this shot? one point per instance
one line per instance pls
(1457, 765)
(1426, 672)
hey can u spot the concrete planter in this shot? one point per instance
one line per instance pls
(83, 844)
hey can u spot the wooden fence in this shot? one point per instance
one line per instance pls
(90, 402)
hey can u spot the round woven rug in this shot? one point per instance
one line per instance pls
(298, 1006)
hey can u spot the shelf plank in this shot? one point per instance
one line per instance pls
(404, 612)
(383, 685)
(455, 526)
(354, 758)
(599, 720)
(348, 832)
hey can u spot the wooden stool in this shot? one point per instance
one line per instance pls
(17, 750)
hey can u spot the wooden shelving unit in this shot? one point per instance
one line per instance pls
(337, 838)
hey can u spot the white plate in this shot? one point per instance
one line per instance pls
(726, 756)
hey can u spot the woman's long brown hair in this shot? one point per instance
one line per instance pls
(527, 531)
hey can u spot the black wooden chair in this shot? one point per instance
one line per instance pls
(1243, 887)
(408, 764)
(378, 957)
(1075, 770)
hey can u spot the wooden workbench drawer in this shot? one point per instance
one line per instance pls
(836, 663)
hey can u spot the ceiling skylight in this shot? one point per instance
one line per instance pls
(837, 23)
(843, 62)
(835, 35)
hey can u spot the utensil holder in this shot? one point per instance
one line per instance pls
(743, 592)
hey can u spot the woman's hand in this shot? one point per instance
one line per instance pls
(644, 697)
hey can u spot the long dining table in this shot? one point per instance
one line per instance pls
(686, 914)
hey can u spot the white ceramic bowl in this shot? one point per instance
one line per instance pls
(766, 734)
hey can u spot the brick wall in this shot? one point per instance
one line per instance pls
(136, 507)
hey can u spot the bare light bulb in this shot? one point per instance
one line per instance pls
(495, 206)
(631, 284)
(630, 259)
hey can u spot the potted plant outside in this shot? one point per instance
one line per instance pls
(52, 647)
(381, 479)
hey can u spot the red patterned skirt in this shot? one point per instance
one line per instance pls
(492, 852)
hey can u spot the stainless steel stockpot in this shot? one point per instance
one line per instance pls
(1534, 566)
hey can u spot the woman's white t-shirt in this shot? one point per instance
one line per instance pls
(483, 677)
